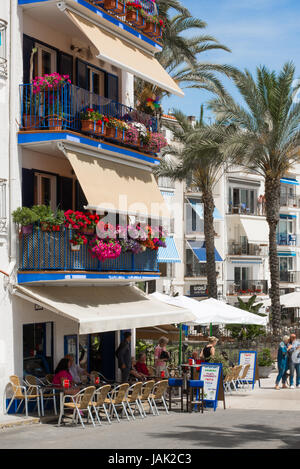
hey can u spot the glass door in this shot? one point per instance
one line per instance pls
(45, 62)
(45, 190)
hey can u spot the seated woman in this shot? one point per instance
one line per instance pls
(141, 366)
(62, 373)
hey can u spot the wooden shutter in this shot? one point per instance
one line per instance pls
(27, 187)
(28, 45)
(112, 87)
(65, 65)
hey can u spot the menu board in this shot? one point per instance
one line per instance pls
(211, 374)
(249, 358)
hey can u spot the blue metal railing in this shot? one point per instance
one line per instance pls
(62, 106)
(43, 250)
(148, 6)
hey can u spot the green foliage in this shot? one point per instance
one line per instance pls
(218, 358)
(46, 215)
(264, 358)
(24, 216)
(248, 332)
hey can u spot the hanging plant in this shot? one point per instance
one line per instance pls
(103, 250)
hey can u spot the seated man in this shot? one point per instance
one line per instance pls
(134, 374)
(141, 366)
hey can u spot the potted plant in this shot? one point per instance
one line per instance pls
(105, 249)
(133, 13)
(132, 136)
(93, 220)
(55, 122)
(77, 240)
(30, 108)
(156, 142)
(265, 363)
(49, 220)
(115, 128)
(25, 217)
(88, 120)
(117, 6)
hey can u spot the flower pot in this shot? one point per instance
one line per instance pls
(116, 6)
(75, 247)
(264, 371)
(29, 122)
(55, 123)
(27, 229)
(132, 16)
(140, 23)
(150, 27)
(88, 231)
(99, 130)
(111, 132)
(87, 126)
(120, 135)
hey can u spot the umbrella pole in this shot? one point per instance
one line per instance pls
(210, 330)
(180, 344)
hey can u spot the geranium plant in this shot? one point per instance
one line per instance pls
(156, 142)
(76, 220)
(105, 249)
(78, 239)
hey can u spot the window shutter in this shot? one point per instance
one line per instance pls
(112, 87)
(28, 45)
(82, 75)
(27, 187)
(65, 65)
(64, 193)
(81, 200)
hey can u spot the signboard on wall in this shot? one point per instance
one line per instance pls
(198, 290)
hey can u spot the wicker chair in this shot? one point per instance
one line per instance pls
(49, 378)
(133, 398)
(80, 403)
(23, 394)
(144, 397)
(117, 399)
(48, 395)
(100, 398)
(242, 381)
(158, 395)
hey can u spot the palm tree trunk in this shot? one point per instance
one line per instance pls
(209, 233)
(272, 213)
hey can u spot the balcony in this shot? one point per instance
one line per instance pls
(242, 209)
(240, 249)
(48, 256)
(67, 108)
(288, 200)
(289, 277)
(284, 239)
(247, 287)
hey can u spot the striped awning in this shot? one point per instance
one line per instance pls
(286, 254)
(198, 207)
(168, 254)
(199, 249)
(291, 181)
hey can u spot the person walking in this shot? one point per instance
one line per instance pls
(282, 362)
(123, 354)
(161, 357)
(293, 345)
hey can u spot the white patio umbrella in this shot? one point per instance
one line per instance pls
(290, 300)
(212, 311)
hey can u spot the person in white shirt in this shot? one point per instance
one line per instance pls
(75, 370)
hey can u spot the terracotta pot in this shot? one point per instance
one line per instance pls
(150, 27)
(132, 16)
(110, 132)
(88, 231)
(29, 122)
(99, 130)
(141, 22)
(55, 123)
(87, 126)
(116, 6)
(120, 135)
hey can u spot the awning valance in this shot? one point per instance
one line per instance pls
(199, 249)
(168, 254)
(125, 55)
(290, 181)
(104, 309)
(118, 188)
(257, 231)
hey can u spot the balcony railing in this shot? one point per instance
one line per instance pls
(61, 108)
(289, 277)
(247, 287)
(288, 200)
(239, 249)
(51, 251)
(284, 239)
(241, 209)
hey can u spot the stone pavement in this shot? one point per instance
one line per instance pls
(265, 397)
(8, 421)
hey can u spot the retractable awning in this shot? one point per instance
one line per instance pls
(199, 249)
(257, 231)
(198, 207)
(168, 254)
(125, 55)
(104, 309)
(118, 188)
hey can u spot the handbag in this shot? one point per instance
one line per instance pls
(164, 355)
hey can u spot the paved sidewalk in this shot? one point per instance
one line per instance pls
(265, 397)
(8, 421)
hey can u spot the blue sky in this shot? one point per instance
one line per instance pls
(257, 31)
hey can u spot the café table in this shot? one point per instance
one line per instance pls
(193, 369)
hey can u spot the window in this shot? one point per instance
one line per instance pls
(45, 190)
(45, 61)
(242, 199)
(3, 52)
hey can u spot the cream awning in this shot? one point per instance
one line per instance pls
(116, 187)
(257, 231)
(103, 309)
(125, 55)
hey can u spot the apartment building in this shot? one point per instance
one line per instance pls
(56, 300)
(241, 236)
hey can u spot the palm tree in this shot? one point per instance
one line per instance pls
(265, 141)
(180, 54)
(197, 155)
